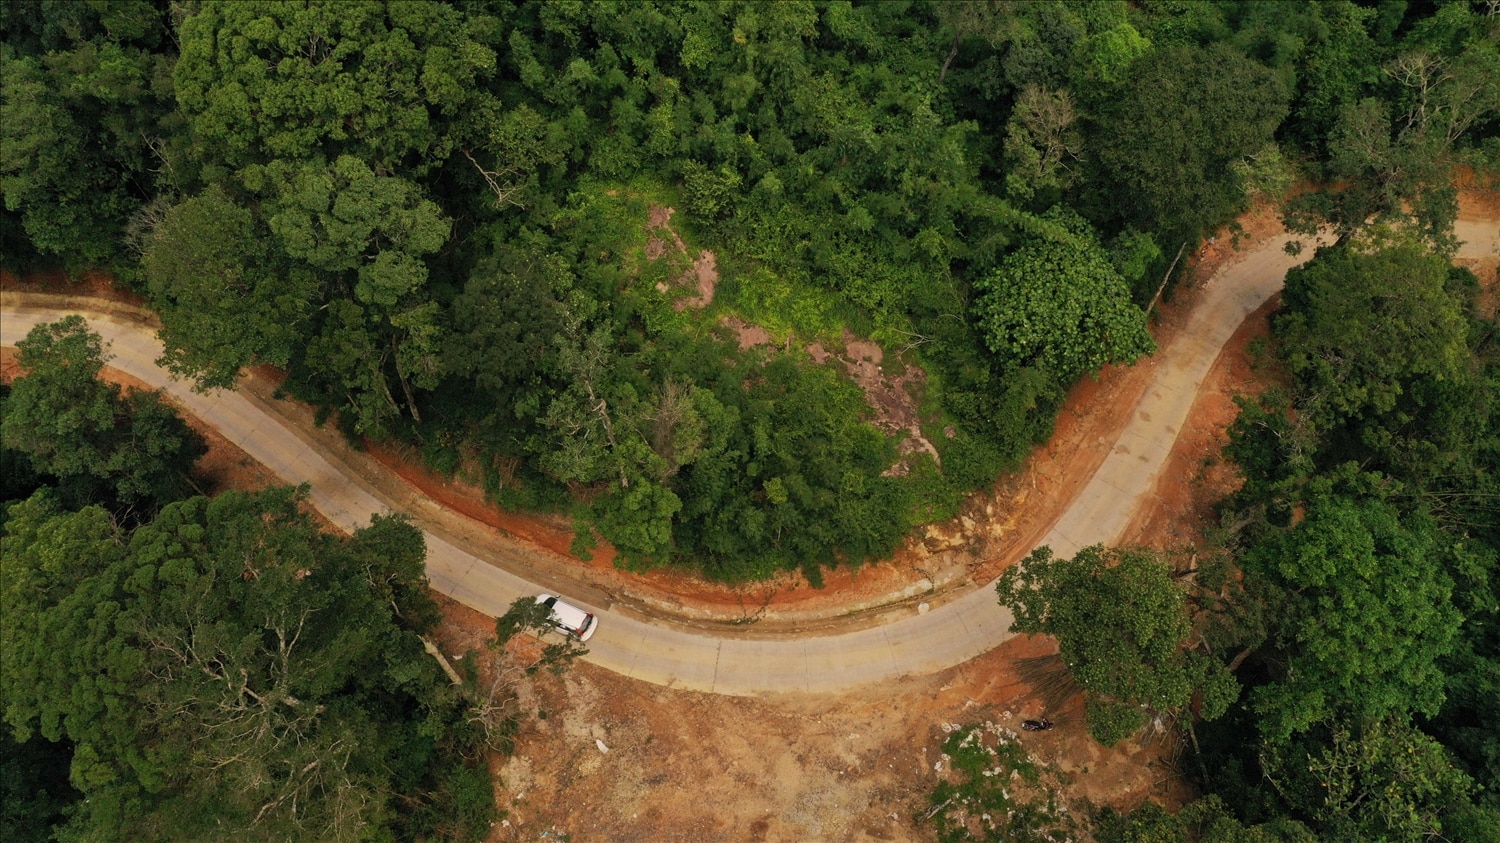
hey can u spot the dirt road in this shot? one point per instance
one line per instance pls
(487, 575)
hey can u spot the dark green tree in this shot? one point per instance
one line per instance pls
(1378, 344)
(1383, 780)
(1391, 155)
(227, 669)
(225, 300)
(132, 448)
(84, 122)
(265, 81)
(34, 790)
(1162, 152)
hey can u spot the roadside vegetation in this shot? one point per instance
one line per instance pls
(1330, 655)
(445, 221)
(449, 224)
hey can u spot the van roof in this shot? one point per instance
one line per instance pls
(566, 614)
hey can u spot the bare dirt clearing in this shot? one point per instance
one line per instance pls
(701, 276)
(684, 766)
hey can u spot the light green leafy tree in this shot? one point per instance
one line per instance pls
(1365, 616)
(1058, 303)
(266, 81)
(344, 216)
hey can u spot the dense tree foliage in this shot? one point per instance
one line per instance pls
(34, 789)
(449, 223)
(1367, 541)
(1364, 547)
(1123, 627)
(102, 444)
(223, 301)
(227, 669)
(1366, 615)
(1167, 145)
(445, 219)
(1377, 339)
(1354, 598)
(181, 668)
(84, 121)
(1393, 141)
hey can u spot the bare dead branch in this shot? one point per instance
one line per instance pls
(433, 651)
(505, 193)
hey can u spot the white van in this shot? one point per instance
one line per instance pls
(573, 621)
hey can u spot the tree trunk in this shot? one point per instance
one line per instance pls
(1239, 659)
(411, 399)
(1164, 280)
(952, 54)
(433, 651)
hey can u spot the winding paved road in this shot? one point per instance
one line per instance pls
(949, 634)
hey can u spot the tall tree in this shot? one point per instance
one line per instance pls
(1378, 344)
(1122, 626)
(132, 448)
(225, 299)
(227, 669)
(1380, 779)
(1365, 613)
(1391, 156)
(1162, 150)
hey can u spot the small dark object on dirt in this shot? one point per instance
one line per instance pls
(1041, 725)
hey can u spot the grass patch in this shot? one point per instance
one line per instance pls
(993, 790)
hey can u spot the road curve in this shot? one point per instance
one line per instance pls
(949, 634)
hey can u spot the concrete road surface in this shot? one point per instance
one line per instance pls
(949, 634)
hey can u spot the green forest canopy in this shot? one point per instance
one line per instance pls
(443, 221)
(185, 667)
(1337, 639)
(435, 216)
